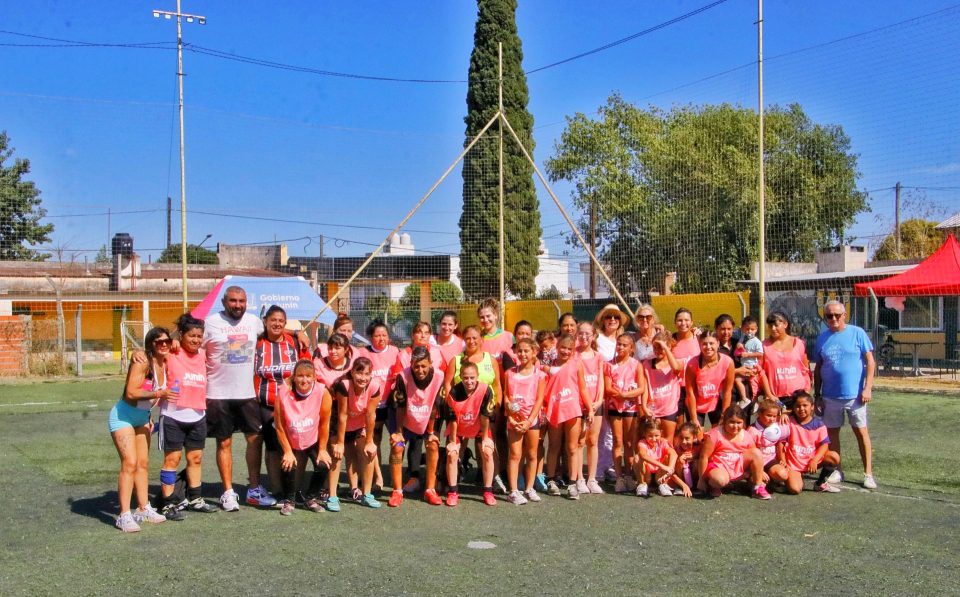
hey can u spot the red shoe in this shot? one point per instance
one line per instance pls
(453, 498)
(489, 499)
(432, 497)
(396, 498)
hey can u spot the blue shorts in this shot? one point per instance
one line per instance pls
(124, 415)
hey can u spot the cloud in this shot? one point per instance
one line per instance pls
(948, 168)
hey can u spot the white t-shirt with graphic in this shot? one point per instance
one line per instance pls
(230, 347)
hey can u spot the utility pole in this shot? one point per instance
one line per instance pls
(183, 172)
(593, 248)
(896, 216)
(761, 183)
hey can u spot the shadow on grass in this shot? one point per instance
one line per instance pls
(106, 507)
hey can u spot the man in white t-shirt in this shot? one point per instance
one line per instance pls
(229, 339)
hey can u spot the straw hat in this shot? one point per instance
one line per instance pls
(624, 318)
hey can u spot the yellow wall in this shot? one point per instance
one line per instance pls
(541, 314)
(705, 307)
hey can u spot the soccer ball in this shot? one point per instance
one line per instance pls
(772, 433)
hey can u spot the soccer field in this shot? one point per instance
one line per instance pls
(59, 501)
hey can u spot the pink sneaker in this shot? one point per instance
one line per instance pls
(761, 493)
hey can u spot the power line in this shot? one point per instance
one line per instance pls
(72, 43)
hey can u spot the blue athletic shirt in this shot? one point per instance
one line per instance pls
(839, 358)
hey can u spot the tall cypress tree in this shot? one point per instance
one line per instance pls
(479, 233)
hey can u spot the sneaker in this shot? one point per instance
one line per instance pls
(396, 498)
(582, 486)
(127, 524)
(201, 505)
(715, 492)
(573, 492)
(489, 499)
(532, 495)
(516, 498)
(553, 488)
(171, 512)
(370, 501)
(432, 497)
(836, 477)
(229, 501)
(313, 504)
(665, 490)
(610, 475)
(678, 491)
(498, 485)
(594, 487)
(412, 485)
(453, 498)
(642, 490)
(540, 483)
(828, 488)
(148, 514)
(259, 496)
(333, 504)
(761, 493)
(869, 482)
(356, 495)
(620, 486)
(287, 507)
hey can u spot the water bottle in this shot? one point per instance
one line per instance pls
(175, 388)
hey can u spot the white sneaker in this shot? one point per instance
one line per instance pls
(582, 486)
(620, 486)
(642, 490)
(517, 498)
(259, 496)
(594, 487)
(665, 490)
(498, 483)
(412, 485)
(572, 492)
(230, 501)
(532, 495)
(127, 524)
(835, 478)
(148, 514)
(869, 482)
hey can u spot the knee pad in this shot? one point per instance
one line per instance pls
(168, 477)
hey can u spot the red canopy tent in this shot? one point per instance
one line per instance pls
(937, 275)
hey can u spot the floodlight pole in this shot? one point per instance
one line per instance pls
(761, 212)
(202, 20)
(503, 264)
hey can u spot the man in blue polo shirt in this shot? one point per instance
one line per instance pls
(843, 382)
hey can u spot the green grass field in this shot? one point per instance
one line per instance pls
(59, 500)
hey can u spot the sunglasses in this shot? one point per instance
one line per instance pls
(163, 342)
(644, 316)
(611, 316)
(833, 315)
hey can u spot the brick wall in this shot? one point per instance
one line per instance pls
(14, 344)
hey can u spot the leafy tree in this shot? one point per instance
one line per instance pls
(440, 292)
(479, 226)
(195, 255)
(550, 294)
(103, 257)
(20, 211)
(380, 307)
(918, 239)
(677, 190)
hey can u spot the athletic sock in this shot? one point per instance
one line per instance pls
(825, 471)
(488, 489)
(193, 492)
(453, 489)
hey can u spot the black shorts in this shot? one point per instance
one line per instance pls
(381, 414)
(226, 417)
(612, 412)
(175, 435)
(268, 431)
(672, 418)
(714, 417)
(351, 436)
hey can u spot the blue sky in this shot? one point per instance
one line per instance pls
(99, 124)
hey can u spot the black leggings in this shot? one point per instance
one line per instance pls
(292, 481)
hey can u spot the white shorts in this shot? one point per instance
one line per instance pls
(834, 410)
